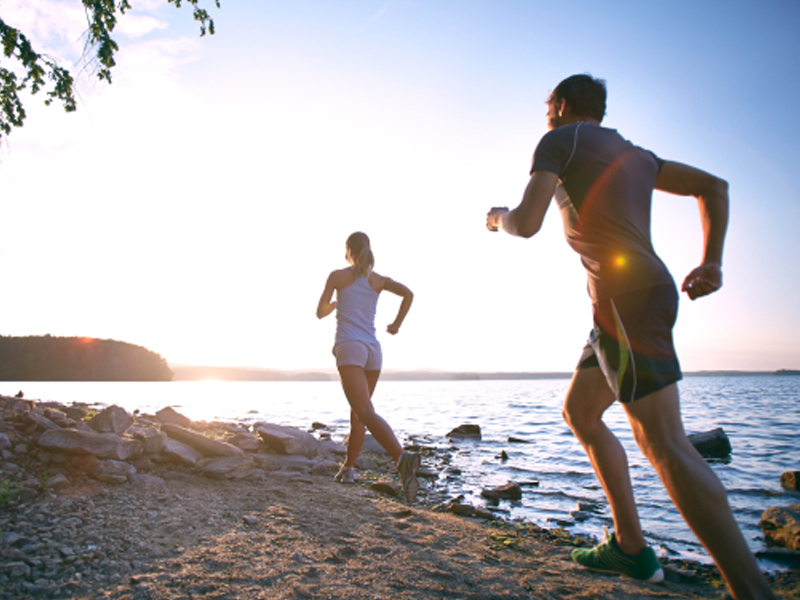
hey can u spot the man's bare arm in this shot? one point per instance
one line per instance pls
(712, 200)
(526, 219)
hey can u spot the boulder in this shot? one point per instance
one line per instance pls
(246, 441)
(781, 526)
(288, 440)
(230, 467)
(36, 417)
(102, 445)
(113, 419)
(172, 416)
(790, 480)
(116, 467)
(181, 453)
(509, 491)
(153, 440)
(466, 431)
(711, 444)
(205, 445)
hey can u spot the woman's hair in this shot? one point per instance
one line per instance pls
(361, 253)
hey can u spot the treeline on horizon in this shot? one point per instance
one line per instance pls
(199, 373)
(49, 358)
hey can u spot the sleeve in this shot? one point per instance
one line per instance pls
(659, 161)
(553, 151)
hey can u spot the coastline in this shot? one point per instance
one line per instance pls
(280, 528)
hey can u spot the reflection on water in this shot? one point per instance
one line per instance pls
(759, 414)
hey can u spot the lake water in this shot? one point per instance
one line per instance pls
(760, 414)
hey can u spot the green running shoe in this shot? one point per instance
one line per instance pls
(608, 558)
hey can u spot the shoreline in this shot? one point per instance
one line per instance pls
(273, 526)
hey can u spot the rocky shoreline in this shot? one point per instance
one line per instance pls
(105, 504)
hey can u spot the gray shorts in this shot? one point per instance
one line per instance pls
(360, 354)
(632, 342)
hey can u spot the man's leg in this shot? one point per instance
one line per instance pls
(587, 399)
(695, 489)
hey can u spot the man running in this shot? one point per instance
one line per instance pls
(603, 186)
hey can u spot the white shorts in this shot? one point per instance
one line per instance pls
(360, 354)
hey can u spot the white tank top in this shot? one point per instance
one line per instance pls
(355, 312)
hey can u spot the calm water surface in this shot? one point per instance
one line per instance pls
(760, 414)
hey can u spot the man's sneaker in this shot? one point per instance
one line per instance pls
(608, 558)
(407, 468)
(346, 475)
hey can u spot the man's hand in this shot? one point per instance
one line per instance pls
(702, 281)
(494, 218)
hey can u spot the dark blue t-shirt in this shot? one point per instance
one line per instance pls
(605, 195)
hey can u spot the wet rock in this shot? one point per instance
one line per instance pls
(711, 444)
(790, 480)
(466, 431)
(509, 491)
(781, 526)
(103, 445)
(205, 445)
(113, 419)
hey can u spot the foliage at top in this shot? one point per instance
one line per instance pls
(43, 73)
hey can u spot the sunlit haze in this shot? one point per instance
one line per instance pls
(197, 204)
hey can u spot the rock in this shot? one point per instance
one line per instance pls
(146, 481)
(386, 487)
(5, 441)
(116, 468)
(102, 445)
(170, 415)
(152, 439)
(781, 526)
(57, 482)
(113, 419)
(790, 479)
(711, 444)
(205, 445)
(288, 440)
(247, 442)
(509, 491)
(231, 467)
(465, 431)
(36, 417)
(579, 515)
(181, 453)
(515, 440)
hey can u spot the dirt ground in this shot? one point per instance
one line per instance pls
(300, 536)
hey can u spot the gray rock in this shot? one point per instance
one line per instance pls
(57, 482)
(172, 416)
(152, 439)
(288, 440)
(116, 467)
(231, 467)
(5, 442)
(113, 419)
(36, 417)
(711, 444)
(102, 445)
(181, 453)
(147, 481)
(205, 445)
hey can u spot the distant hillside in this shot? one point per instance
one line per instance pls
(48, 358)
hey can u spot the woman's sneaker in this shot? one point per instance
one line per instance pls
(608, 558)
(407, 468)
(346, 475)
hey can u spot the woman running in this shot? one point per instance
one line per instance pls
(358, 355)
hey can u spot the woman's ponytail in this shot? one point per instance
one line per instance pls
(361, 253)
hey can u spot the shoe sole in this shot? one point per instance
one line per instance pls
(409, 481)
(656, 577)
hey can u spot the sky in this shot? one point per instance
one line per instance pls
(197, 204)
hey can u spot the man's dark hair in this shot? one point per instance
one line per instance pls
(585, 95)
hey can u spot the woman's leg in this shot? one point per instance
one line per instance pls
(358, 386)
(355, 441)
